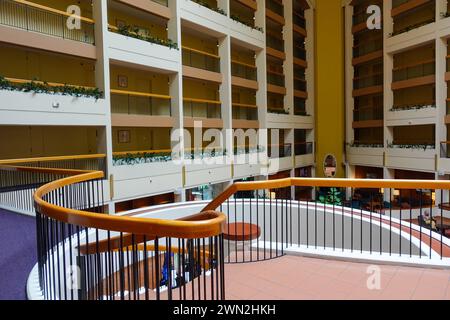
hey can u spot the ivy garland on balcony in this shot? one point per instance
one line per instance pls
(419, 146)
(278, 111)
(244, 151)
(238, 19)
(413, 107)
(365, 145)
(140, 158)
(133, 32)
(206, 5)
(35, 86)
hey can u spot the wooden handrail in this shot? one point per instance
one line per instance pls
(51, 84)
(39, 6)
(141, 94)
(244, 64)
(199, 226)
(336, 183)
(244, 105)
(49, 159)
(202, 101)
(124, 153)
(414, 64)
(201, 52)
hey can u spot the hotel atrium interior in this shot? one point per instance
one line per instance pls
(225, 150)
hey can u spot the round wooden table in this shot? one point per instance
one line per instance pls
(242, 232)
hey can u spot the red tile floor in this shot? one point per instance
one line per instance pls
(298, 278)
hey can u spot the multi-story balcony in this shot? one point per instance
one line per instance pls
(210, 4)
(300, 107)
(298, 18)
(275, 104)
(367, 45)
(368, 113)
(243, 12)
(34, 86)
(275, 6)
(201, 59)
(243, 70)
(52, 21)
(275, 41)
(139, 98)
(409, 14)
(244, 109)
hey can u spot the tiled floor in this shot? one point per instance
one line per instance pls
(292, 277)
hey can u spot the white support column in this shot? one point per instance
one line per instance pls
(224, 5)
(176, 91)
(349, 73)
(441, 94)
(310, 58)
(102, 81)
(388, 62)
(226, 94)
(261, 94)
(288, 37)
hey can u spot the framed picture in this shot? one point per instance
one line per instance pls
(122, 81)
(124, 136)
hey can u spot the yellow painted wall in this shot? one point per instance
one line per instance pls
(29, 142)
(330, 127)
(148, 27)
(33, 65)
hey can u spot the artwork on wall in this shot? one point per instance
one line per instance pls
(124, 136)
(330, 166)
(122, 81)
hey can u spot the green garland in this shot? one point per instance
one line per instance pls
(43, 87)
(423, 147)
(366, 145)
(206, 5)
(133, 32)
(238, 19)
(413, 107)
(278, 111)
(140, 158)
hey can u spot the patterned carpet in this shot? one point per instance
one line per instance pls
(17, 254)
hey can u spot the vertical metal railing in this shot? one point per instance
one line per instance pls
(382, 222)
(31, 18)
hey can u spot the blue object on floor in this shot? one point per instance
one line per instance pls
(17, 254)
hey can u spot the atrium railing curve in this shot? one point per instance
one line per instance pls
(84, 254)
(388, 220)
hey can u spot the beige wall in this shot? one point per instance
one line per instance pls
(34, 65)
(24, 142)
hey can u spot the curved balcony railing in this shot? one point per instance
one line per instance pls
(84, 254)
(34, 17)
(384, 220)
(17, 187)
